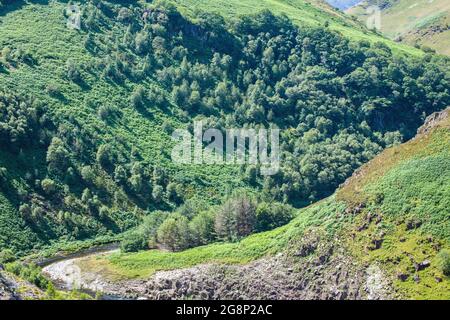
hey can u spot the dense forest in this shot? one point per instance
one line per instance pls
(338, 103)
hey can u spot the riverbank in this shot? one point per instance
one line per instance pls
(61, 256)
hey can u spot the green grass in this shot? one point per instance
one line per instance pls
(15, 234)
(39, 27)
(326, 215)
(419, 189)
(410, 182)
(413, 21)
(435, 144)
(394, 257)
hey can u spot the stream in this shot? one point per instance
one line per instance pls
(65, 274)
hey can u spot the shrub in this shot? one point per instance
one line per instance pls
(25, 211)
(103, 212)
(124, 14)
(142, 42)
(202, 228)
(151, 223)
(106, 112)
(172, 192)
(3, 176)
(6, 256)
(31, 273)
(236, 218)
(174, 233)
(133, 242)
(191, 208)
(120, 175)
(272, 215)
(88, 174)
(86, 196)
(443, 261)
(57, 156)
(105, 157)
(225, 222)
(73, 72)
(167, 127)
(245, 215)
(53, 90)
(6, 55)
(251, 174)
(137, 183)
(138, 97)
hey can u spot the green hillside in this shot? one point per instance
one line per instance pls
(419, 23)
(301, 12)
(87, 115)
(393, 212)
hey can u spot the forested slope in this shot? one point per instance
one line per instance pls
(86, 115)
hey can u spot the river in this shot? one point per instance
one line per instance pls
(66, 275)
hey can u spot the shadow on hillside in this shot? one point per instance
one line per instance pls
(3, 69)
(15, 5)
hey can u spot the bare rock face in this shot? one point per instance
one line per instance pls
(271, 279)
(15, 289)
(433, 120)
(314, 270)
(6, 292)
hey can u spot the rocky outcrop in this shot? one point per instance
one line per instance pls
(315, 268)
(6, 291)
(273, 278)
(433, 120)
(315, 271)
(12, 288)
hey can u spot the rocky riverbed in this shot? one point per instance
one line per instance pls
(316, 271)
(67, 275)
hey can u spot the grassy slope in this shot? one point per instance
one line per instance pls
(414, 21)
(411, 181)
(145, 263)
(407, 183)
(302, 12)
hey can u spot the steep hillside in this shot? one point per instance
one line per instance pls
(384, 234)
(86, 115)
(302, 12)
(419, 22)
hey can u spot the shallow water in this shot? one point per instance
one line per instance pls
(65, 274)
